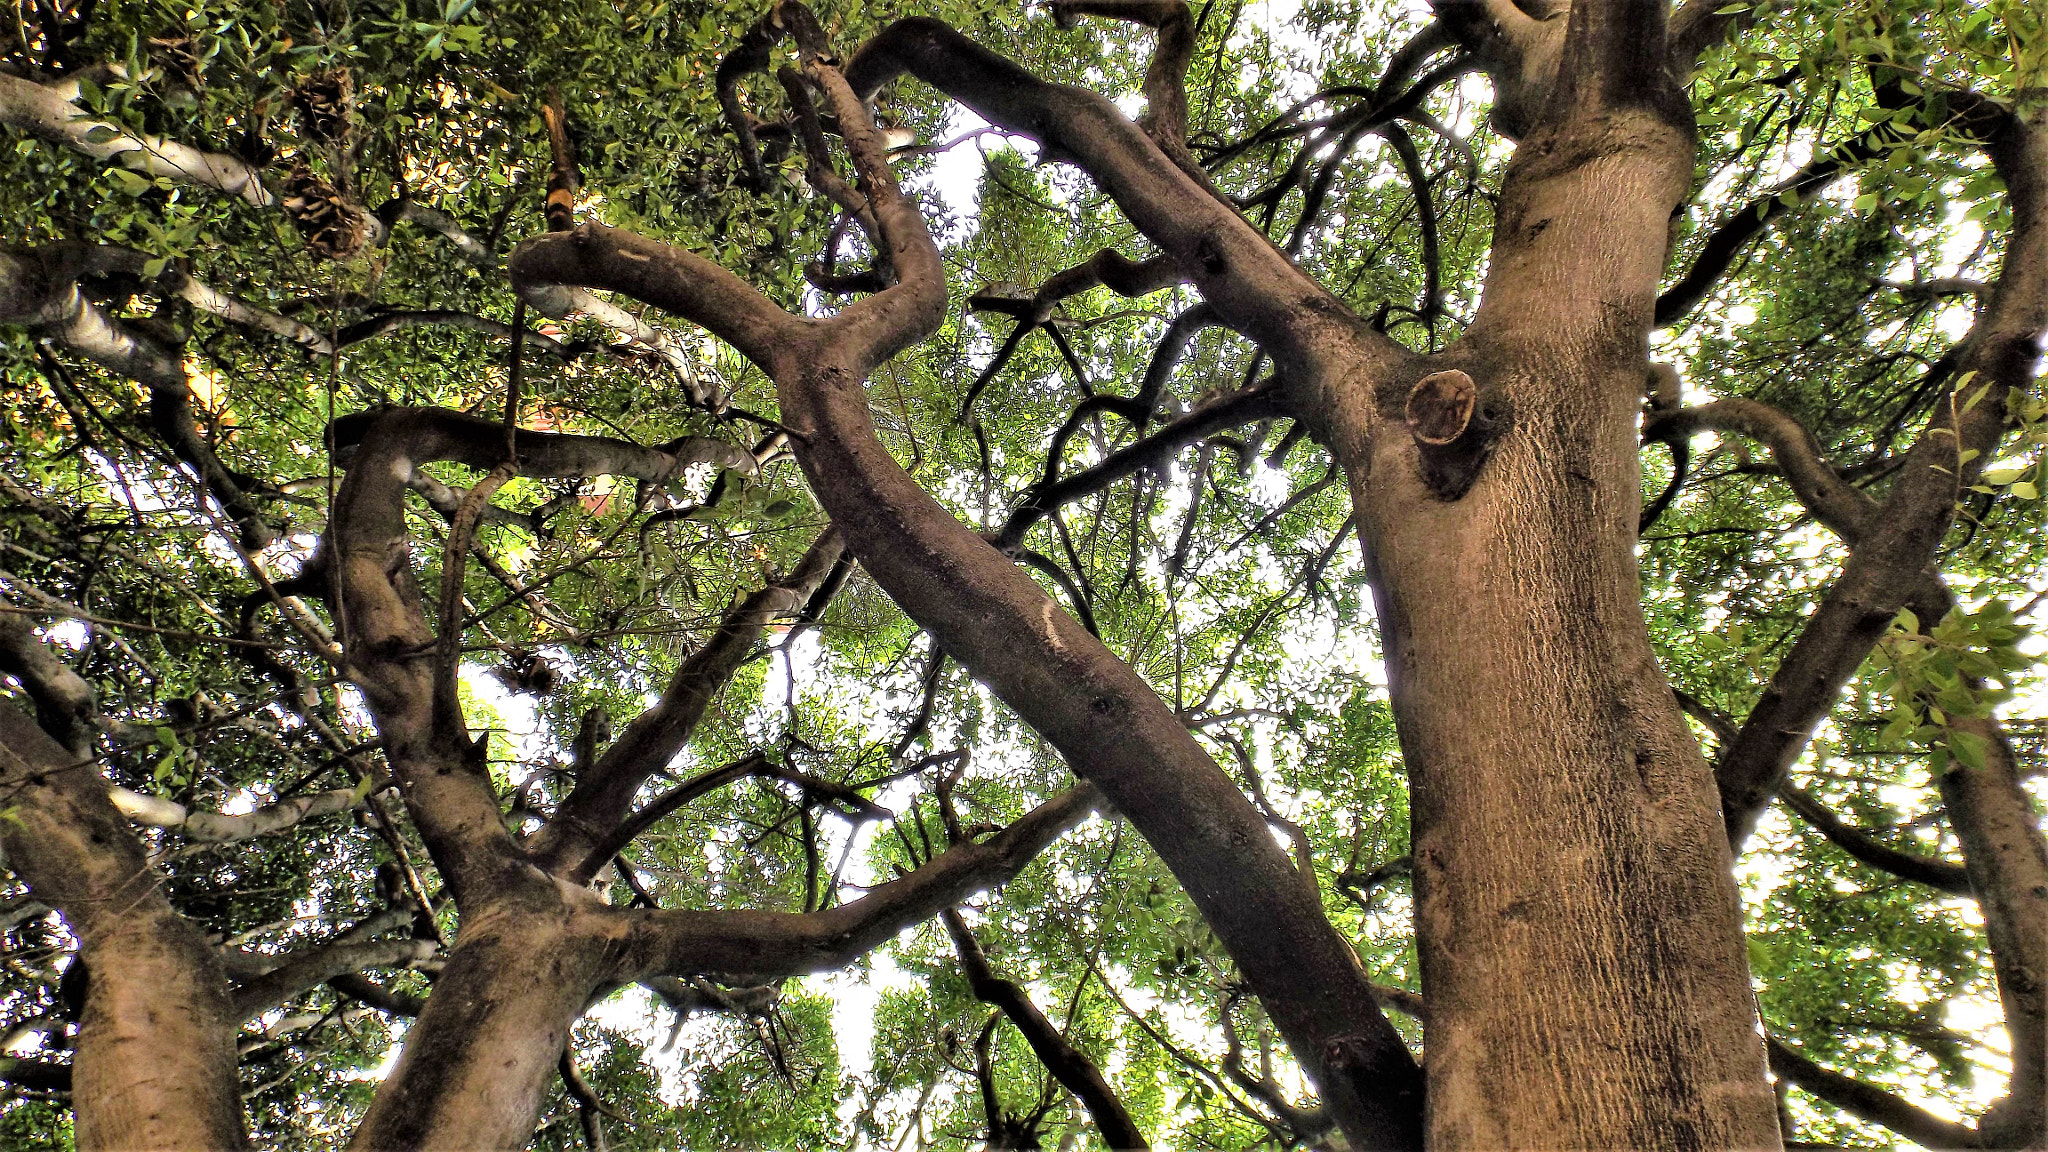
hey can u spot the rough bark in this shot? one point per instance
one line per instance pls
(154, 1066)
(478, 1061)
(1579, 929)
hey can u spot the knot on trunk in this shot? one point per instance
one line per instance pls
(1454, 429)
(1440, 406)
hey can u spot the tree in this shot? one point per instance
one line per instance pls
(279, 508)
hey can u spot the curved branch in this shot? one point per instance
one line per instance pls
(1253, 285)
(1867, 1102)
(39, 290)
(1728, 241)
(1068, 1064)
(1939, 875)
(561, 301)
(1837, 504)
(388, 643)
(764, 946)
(1165, 86)
(50, 112)
(1888, 564)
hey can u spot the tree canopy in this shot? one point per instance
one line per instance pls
(487, 626)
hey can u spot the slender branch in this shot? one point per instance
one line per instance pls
(302, 972)
(1068, 1064)
(50, 112)
(1868, 1102)
(1254, 403)
(1746, 223)
(219, 827)
(594, 815)
(1940, 875)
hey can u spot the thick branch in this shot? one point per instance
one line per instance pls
(66, 706)
(763, 946)
(545, 268)
(1834, 502)
(389, 644)
(561, 302)
(302, 972)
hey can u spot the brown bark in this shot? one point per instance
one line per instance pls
(985, 612)
(2006, 859)
(532, 953)
(154, 1066)
(1579, 929)
(478, 1062)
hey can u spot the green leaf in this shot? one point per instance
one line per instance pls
(1968, 748)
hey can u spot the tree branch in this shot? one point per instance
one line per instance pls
(1068, 1064)
(1888, 565)
(301, 972)
(1940, 875)
(1866, 1102)
(50, 112)
(763, 946)
(591, 824)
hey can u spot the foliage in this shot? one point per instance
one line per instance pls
(1228, 576)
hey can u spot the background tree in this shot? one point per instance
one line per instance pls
(1673, 370)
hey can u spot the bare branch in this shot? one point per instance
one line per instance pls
(1068, 1064)
(1940, 875)
(1867, 1102)
(591, 825)
(771, 945)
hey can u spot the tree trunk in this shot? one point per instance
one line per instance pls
(154, 1066)
(477, 1064)
(1579, 929)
